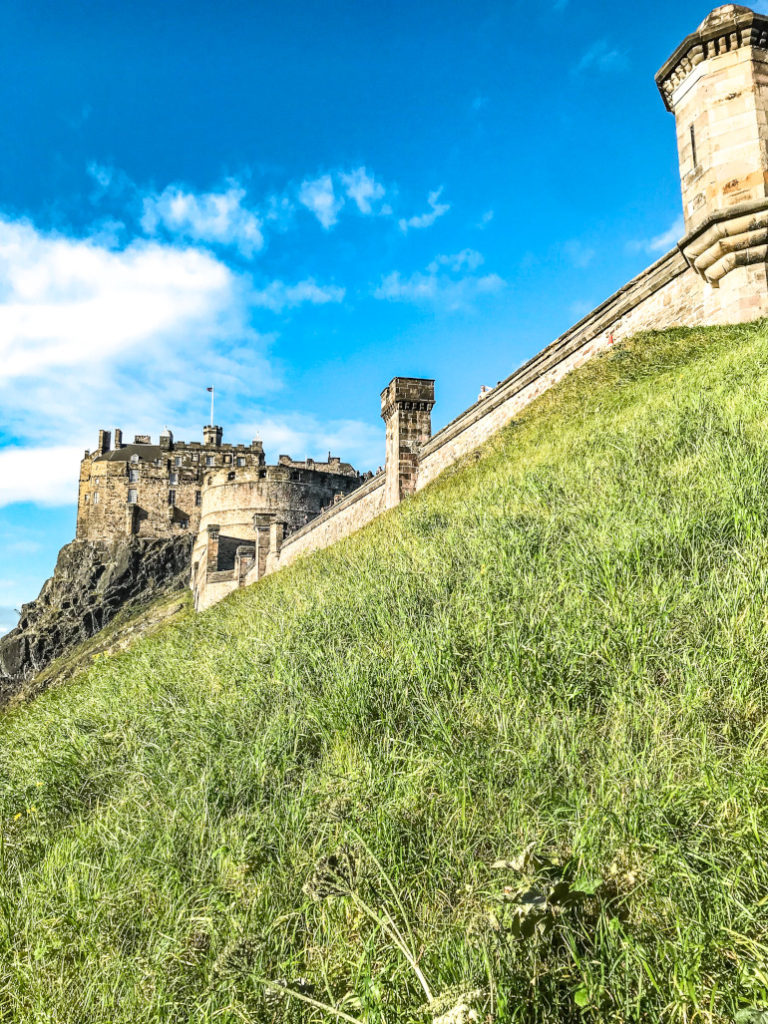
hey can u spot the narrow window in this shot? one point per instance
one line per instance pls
(197, 497)
(177, 460)
(209, 460)
(96, 498)
(134, 458)
(171, 497)
(693, 146)
(133, 475)
(174, 479)
(241, 460)
(132, 496)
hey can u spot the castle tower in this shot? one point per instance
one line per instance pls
(212, 435)
(716, 85)
(406, 408)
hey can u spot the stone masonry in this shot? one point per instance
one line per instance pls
(247, 511)
(152, 490)
(716, 84)
(406, 408)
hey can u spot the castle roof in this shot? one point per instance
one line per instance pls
(146, 452)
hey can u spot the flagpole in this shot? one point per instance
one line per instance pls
(213, 391)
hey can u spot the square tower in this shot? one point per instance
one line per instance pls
(406, 408)
(716, 85)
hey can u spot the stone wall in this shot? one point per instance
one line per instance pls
(151, 490)
(667, 294)
(342, 519)
(239, 507)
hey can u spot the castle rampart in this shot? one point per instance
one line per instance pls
(250, 519)
(716, 84)
(240, 507)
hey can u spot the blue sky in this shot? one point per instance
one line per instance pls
(295, 202)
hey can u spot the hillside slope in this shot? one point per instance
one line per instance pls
(559, 648)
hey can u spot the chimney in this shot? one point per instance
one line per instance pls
(104, 441)
(118, 439)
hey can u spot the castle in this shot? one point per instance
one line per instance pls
(250, 519)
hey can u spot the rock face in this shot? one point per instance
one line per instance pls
(91, 583)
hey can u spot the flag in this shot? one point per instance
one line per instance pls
(209, 389)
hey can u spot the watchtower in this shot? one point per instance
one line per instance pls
(716, 85)
(406, 408)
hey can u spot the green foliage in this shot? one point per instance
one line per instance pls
(537, 692)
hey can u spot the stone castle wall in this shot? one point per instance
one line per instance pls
(239, 508)
(152, 491)
(667, 294)
(342, 519)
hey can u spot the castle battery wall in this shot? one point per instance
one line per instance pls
(239, 505)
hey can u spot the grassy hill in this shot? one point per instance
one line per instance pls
(506, 748)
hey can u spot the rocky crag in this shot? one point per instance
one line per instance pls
(91, 584)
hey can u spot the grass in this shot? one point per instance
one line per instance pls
(134, 620)
(325, 783)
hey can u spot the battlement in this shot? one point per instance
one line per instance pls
(158, 489)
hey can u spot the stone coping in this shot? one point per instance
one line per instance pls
(651, 280)
(347, 502)
(742, 27)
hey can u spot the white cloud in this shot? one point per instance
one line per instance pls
(601, 56)
(425, 220)
(363, 189)
(101, 174)
(485, 220)
(467, 259)
(436, 289)
(94, 337)
(67, 302)
(47, 476)
(660, 243)
(217, 218)
(318, 195)
(278, 296)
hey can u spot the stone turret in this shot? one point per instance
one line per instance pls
(104, 442)
(212, 435)
(716, 85)
(406, 408)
